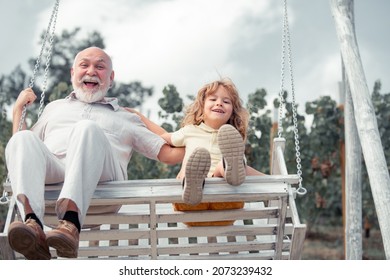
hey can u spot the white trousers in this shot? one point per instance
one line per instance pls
(89, 159)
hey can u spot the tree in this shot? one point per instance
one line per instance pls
(322, 153)
(259, 132)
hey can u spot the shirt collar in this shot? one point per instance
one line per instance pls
(207, 128)
(112, 101)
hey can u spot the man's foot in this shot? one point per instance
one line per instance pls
(29, 239)
(232, 148)
(65, 239)
(198, 165)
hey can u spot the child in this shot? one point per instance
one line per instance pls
(213, 132)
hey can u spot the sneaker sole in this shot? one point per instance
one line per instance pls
(232, 148)
(23, 240)
(64, 246)
(198, 165)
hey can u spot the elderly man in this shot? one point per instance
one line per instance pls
(81, 140)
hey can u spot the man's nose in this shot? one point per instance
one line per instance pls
(91, 71)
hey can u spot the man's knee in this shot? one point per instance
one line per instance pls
(19, 139)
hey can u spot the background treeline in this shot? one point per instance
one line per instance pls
(321, 140)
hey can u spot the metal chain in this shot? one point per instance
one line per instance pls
(287, 40)
(282, 70)
(52, 21)
(4, 199)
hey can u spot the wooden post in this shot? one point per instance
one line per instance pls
(365, 117)
(353, 181)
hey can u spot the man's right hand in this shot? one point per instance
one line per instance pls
(26, 97)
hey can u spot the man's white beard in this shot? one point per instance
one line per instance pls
(89, 97)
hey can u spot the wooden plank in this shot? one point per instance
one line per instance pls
(216, 231)
(174, 184)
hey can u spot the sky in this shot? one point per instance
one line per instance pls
(188, 43)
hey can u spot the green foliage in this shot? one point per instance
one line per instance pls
(259, 132)
(321, 163)
(172, 105)
(131, 94)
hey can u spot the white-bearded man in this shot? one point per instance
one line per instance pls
(81, 140)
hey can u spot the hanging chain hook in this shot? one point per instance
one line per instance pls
(4, 199)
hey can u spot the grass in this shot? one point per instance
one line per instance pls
(327, 243)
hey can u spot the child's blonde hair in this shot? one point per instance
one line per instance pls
(240, 116)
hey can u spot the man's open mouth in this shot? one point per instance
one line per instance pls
(91, 84)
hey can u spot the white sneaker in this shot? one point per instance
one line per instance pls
(232, 148)
(198, 165)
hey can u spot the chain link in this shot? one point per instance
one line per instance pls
(286, 44)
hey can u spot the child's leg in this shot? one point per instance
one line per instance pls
(249, 171)
(232, 148)
(219, 170)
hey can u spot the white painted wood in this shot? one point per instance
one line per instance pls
(353, 180)
(364, 117)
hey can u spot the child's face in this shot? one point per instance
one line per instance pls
(218, 108)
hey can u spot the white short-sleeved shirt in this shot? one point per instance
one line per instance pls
(124, 130)
(193, 136)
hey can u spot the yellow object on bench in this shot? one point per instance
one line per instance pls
(211, 206)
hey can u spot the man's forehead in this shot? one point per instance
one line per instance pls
(93, 54)
(93, 58)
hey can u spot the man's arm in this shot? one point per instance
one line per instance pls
(168, 154)
(25, 97)
(171, 155)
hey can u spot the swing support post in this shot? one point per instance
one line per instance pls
(365, 120)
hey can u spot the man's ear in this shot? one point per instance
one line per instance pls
(112, 76)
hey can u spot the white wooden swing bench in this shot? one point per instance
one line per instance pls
(147, 227)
